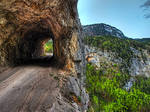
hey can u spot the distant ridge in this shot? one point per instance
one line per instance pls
(143, 39)
(102, 30)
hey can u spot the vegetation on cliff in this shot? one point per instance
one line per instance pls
(120, 47)
(106, 84)
(146, 41)
(107, 93)
(142, 83)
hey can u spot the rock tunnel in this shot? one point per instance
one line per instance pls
(25, 25)
(31, 45)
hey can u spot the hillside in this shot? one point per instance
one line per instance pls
(102, 30)
(133, 56)
(144, 40)
(118, 72)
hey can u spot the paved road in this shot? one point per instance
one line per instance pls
(27, 89)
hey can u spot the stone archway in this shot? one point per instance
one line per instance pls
(31, 44)
(49, 18)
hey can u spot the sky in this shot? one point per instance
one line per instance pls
(126, 15)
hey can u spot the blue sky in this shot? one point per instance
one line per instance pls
(126, 15)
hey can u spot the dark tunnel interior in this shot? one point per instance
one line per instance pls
(31, 47)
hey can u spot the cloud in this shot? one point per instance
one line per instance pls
(147, 16)
(146, 4)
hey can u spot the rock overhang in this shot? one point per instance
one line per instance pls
(56, 19)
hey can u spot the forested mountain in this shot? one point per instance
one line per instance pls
(118, 72)
(102, 30)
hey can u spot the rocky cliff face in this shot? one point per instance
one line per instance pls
(138, 65)
(25, 24)
(102, 30)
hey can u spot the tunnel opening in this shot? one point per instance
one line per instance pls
(48, 48)
(36, 47)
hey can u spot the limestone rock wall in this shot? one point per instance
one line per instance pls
(40, 19)
(138, 64)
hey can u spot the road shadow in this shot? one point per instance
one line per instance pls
(43, 61)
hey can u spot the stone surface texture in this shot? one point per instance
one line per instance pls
(26, 24)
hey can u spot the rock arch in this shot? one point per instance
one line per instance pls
(22, 21)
